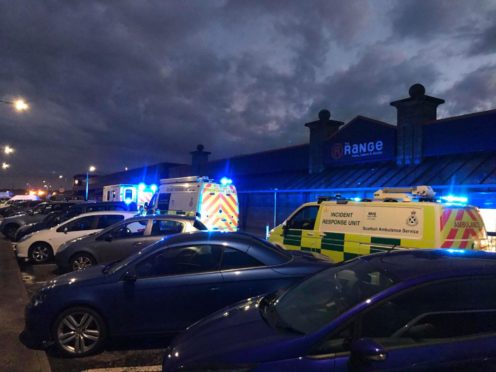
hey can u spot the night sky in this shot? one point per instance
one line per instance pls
(128, 83)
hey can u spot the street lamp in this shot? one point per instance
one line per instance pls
(19, 104)
(8, 150)
(5, 166)
(90, 169)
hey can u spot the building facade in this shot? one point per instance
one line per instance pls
(455, 155)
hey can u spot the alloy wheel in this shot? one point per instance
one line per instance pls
(40, 253)
(81, 262)
(79, 332)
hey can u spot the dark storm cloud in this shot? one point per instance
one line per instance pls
(474, 92)
(431, 20)
(126, 83)
(381, 75)
(485, 41)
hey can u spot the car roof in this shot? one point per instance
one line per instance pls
(103, 213)
(164, 217)
(212, 235)
(409, 264)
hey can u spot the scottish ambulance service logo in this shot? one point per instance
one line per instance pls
(412, 219)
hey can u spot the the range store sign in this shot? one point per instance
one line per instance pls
(362, 141)
(357, 150)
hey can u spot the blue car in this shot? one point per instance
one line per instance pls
(164, 288)
(405, 310)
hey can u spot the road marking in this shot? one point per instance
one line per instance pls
(127, 369)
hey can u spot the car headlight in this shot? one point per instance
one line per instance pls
(38, 298)
(26, 237)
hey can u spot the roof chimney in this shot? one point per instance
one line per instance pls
(412, 113)
(320, 130)
(199, 161)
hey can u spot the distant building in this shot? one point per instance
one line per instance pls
(455, 155)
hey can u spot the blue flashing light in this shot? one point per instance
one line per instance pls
(456, 251)
(128, 201)
(141, 186)
(357, 199)
(225, 181)
(455, 199)
(153, 188)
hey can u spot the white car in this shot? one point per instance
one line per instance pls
(42, 245)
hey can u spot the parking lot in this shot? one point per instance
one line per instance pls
(136, 355)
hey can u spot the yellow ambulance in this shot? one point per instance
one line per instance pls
(395, 219)
(214, 203)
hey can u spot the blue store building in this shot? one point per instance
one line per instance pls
(456, 156)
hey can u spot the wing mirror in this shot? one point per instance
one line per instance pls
(108, 238)
(366, 350)
(66, 230)
(129, 277)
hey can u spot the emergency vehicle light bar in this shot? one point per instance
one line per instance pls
(184, 179)
(404, 193)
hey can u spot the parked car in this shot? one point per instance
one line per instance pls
(53, 218)
(163, 288)
(10, 225)
(406, 310)
(41, 246)
(50, 220)
(121, 240)
(17, 206)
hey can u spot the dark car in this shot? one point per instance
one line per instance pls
(163, 288)
(55, 218)
(17, 207)
(121, 240)
(10, 224)
(409, 310)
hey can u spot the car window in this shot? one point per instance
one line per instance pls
(132, 229)
(304, 219)
(435, 312)
(128, 194)
(322, 297)
(166, 227)
(180, 261)
(109, 220)
(235, 259)
(80, 224)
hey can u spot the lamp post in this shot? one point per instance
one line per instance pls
(19, 104)
(90, 169)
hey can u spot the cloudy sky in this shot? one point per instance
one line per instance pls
(128, 83)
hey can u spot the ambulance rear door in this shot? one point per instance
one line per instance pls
(218, 207)
(462, 227)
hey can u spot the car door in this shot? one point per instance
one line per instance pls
(73, 229)
(299, 233)
(173, 288)
(124, 240)
(442, 326)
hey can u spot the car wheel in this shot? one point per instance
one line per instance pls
(40, 252)
(10, 230)
(81, 261)
(79, 331)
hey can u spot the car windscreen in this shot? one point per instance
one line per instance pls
(321, 298)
